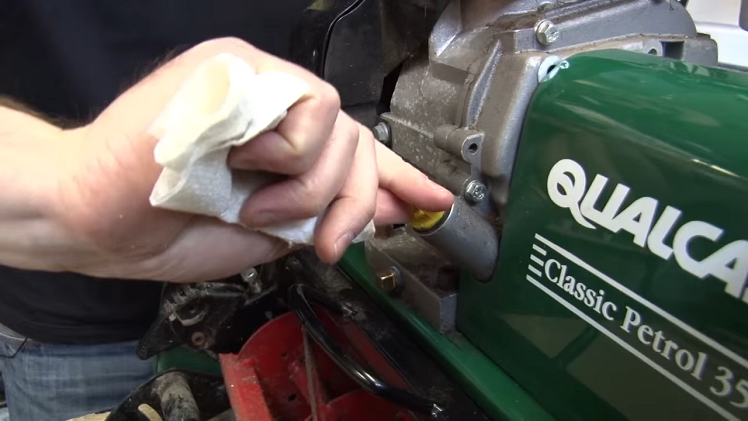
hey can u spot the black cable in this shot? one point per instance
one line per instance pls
(298, 300)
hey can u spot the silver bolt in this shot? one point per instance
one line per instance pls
(249, 275)
(547, 32)
(475, 192)
(382, 132)
(252, 278)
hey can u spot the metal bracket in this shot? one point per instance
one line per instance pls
(428, 279)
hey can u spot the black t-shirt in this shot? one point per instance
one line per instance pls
(70, 59)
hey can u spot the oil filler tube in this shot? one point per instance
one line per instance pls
(462, 235)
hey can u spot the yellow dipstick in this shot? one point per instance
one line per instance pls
(423, 220)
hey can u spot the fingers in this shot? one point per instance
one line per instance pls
(390, 209)
(298, 140)
(354, 207)
(294, 146)
(365, 180)
(310, 193)
(408, 184)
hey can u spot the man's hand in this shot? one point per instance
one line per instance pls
(108, 172)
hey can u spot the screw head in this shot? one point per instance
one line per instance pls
(475, 192)
(382, 132)
(547, 32)
(252, 277)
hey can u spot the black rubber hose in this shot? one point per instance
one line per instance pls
(299, 300)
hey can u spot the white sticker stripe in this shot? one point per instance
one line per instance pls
(534, 270)
(536, 260)
(696, 394)
(672, 319)
(538, 249)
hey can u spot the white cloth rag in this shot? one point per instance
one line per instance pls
(223, 104)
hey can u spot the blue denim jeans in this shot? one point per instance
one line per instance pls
(46, 382)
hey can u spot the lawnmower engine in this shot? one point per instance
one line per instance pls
(593, 265)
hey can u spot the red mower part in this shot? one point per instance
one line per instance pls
(276, 377)
(362, 406)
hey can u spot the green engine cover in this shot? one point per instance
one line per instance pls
(621, 284)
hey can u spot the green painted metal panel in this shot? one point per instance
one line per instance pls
(494, 391)
(620, 290)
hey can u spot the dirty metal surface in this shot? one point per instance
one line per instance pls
(419, 372)
(175, 396)
(480, 69)
(429, 281)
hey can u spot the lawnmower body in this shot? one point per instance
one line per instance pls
(595, 261)
(619, 291)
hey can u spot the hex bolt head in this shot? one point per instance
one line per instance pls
(382, 132)
(388, 280)
(475, 192)
(547, 32)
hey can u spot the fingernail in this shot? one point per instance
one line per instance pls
(342, 244)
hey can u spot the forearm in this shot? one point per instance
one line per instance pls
(33, 156)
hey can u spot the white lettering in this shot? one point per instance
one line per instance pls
(658, 340)
(604, 218)
(567, 188)
(637, 219)
(682, 240)
(573, 188)
(600, 295)
(684, 359)
(569, 285)
(656, 240)
(589, 298)
(698, 371)
(669, 346)
(607, 306)
(548, 264)
(643, 331)
(632, 318)
(729, 264)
